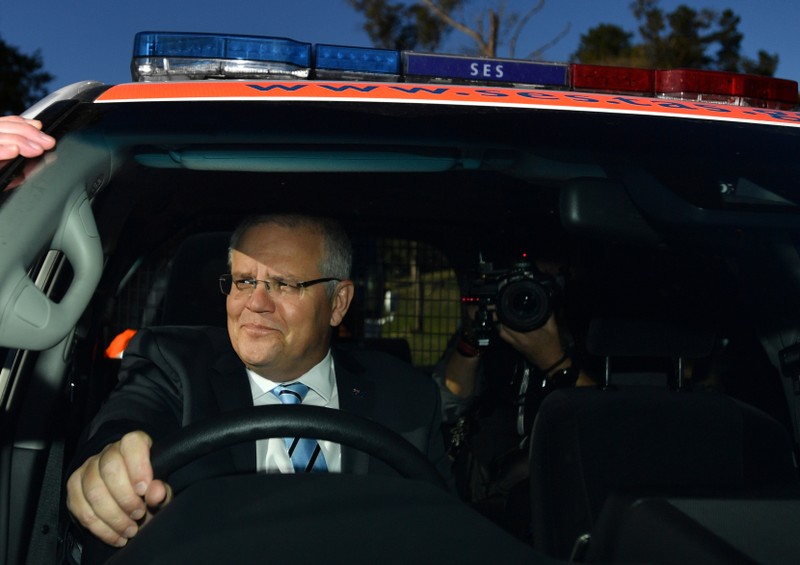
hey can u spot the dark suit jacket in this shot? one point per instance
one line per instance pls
(172, 376)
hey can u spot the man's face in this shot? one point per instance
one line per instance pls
(282, 337)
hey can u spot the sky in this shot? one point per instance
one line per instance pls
(93, 39)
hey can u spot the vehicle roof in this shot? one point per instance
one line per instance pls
(442, 94)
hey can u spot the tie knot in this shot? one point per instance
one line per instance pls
(293, 393)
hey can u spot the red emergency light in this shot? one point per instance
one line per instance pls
(729, 88)
(601, 78)
(688, 84)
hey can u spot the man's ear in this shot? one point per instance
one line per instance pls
(341, 301)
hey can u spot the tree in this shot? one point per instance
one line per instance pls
(402, 26)
(22, 80)
(685, 37)
(610, 45)
(425, 24)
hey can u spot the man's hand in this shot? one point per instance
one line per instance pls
(19, 136)
(113, 493)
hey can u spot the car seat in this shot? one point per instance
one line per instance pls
(590, 442)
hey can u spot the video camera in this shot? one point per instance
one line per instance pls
(523, 298)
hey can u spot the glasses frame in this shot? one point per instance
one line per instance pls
(254, 283)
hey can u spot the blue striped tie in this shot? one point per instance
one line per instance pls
(305, 453)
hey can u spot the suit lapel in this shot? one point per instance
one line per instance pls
(357, 396)
(232, 391)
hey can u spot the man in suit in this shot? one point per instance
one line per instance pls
(288, 287)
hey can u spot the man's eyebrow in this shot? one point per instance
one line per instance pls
(250, 275)
(287, 278)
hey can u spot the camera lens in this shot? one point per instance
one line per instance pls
(523, 305)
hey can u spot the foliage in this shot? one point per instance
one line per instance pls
(403, 26)
(685, 37)
(22, 80)
(425, 24)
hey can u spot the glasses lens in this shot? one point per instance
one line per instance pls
(225, 284)
(247, 286)
(274, 287)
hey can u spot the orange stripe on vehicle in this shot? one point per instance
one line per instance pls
(442, 94)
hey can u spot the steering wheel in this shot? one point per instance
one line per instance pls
(262, 422)
(226, 519)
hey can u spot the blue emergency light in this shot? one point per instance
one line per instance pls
(339, 61)
(455, 68)
(181, 56)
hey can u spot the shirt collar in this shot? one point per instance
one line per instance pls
(320, 378)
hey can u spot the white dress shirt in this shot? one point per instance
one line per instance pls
(271, 454)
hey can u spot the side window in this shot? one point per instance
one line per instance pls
(405, 290)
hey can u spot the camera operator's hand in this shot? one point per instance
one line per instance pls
(468, 317)
(541, 346)
(544, 349)
(461, 369)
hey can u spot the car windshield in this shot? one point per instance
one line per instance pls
(680, 215)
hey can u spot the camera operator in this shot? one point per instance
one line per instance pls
(512, 348)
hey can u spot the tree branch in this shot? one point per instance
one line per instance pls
(512, 44)
(537, 53)
(476, 37)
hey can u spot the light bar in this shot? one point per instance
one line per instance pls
(728, 88)
(162, 56)
(338, 61)
(452, 68)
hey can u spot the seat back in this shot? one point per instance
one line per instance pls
(589, 442)
(722, 530)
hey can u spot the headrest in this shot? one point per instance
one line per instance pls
(608, 337)
(192, 296)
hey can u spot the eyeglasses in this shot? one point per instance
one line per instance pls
(274, 287)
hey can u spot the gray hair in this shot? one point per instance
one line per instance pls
(337, 255)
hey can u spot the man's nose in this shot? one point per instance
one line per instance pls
(261, 299)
